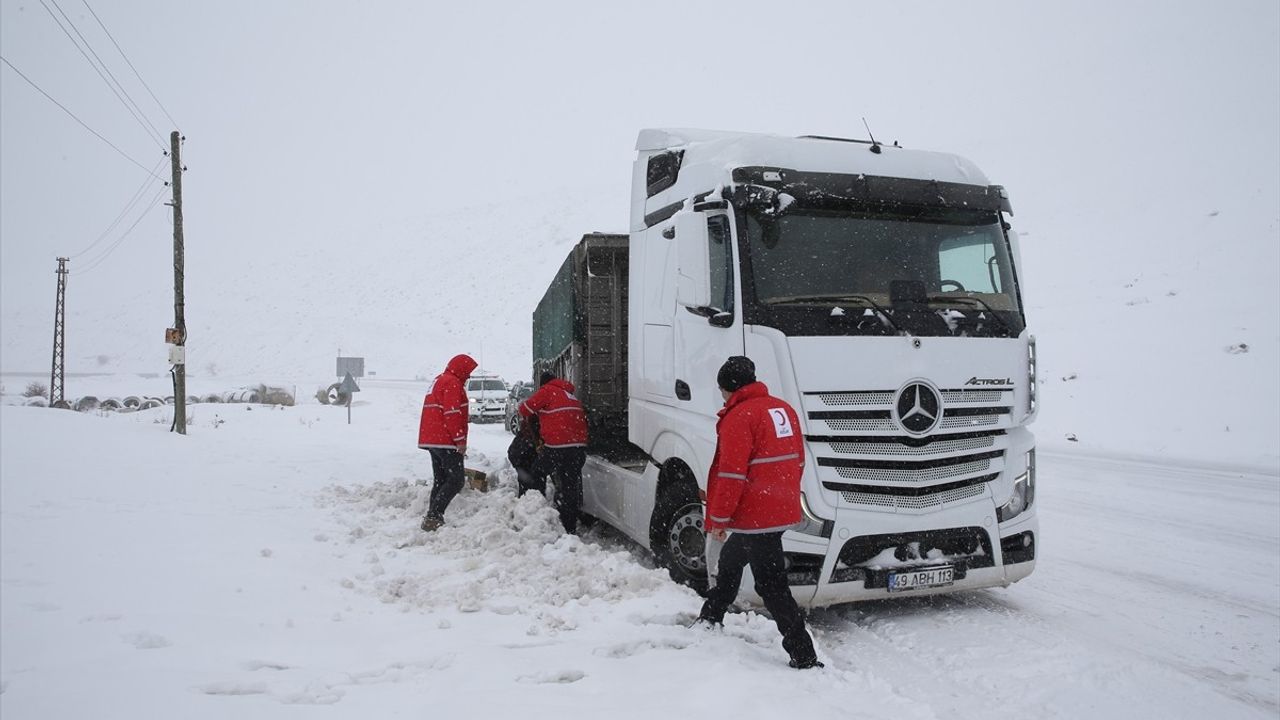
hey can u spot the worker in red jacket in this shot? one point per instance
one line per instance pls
(443, 432)
(562, 425)
(753, 496)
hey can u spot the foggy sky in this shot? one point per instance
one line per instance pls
(303, 117)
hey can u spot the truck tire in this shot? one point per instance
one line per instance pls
(336, 396)
(676, 535)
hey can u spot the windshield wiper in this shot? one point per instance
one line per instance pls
(836, 298)
(1008, 331)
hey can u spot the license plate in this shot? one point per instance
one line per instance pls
(925, 577)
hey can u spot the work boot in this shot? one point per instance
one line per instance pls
(431, 523)
(705, 624)
(805, 664)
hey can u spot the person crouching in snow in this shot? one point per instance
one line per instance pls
(442, 431)
(562, 425)
(522, 453)
(753, 496)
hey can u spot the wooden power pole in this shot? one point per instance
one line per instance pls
(179, 336)
(57, 376)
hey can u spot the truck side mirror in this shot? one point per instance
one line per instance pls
(693, 261)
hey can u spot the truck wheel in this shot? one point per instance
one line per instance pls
(677, 537)
(336, 396)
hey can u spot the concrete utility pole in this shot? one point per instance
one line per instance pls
(179, 319)
(59, 337)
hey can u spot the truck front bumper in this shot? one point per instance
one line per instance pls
(980, 552)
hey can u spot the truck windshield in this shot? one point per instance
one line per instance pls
(924, 272)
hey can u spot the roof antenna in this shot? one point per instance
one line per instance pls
(875, 146)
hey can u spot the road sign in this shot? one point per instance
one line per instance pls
(350, 366)
(349, 387)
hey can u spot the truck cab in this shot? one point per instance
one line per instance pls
(877, 289)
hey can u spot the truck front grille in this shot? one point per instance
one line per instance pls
(913, 474)
(846, 399)
(860, 424)
(896, 449)
(864, 455)
(913, 503)
(912, 498)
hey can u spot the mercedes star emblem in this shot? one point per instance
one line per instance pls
(918, 408)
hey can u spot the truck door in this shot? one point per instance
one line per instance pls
(706, 337)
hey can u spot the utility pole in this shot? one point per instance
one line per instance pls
(179, 319)
(56, 377)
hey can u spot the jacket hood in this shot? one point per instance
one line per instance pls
(461, 366)
(744, 393)
(562, 384)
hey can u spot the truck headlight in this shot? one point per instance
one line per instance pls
(1024, 492)
(811, 524)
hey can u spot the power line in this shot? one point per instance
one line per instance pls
(131, 67)
(94, 263)
(103, 63)
(145, 124)
(73, 117)
(137, 195)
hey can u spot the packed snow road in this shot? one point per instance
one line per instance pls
(1156, 595)
(272, 559)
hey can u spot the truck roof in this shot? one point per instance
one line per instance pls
(715, 153)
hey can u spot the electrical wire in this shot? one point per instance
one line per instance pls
(131, 67)
(97, 261)
(159, 136)
(137, 195)
(73, 117)
(146, 125)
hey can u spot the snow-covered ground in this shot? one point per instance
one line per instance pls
(269, 564)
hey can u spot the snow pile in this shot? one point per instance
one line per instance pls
(495, 553)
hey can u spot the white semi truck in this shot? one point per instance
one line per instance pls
(877, 290)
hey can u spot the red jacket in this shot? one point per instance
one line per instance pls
(754, 484)
(561, 420)
(444, 409)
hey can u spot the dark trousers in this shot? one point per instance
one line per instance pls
(526, 481)
(763, 552)
(523, 454)
(446, 469)
(564, 468)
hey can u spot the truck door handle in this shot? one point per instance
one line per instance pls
(682, 390)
